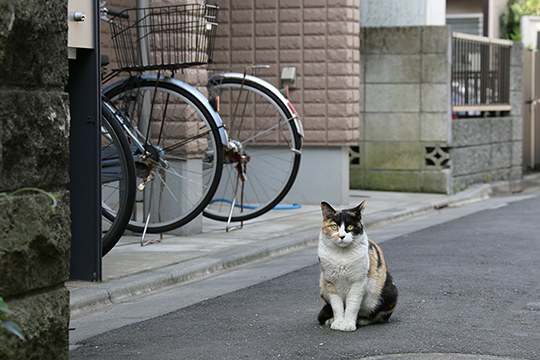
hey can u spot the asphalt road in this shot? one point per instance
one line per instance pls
(469, 289)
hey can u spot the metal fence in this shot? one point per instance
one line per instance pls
(480, 74)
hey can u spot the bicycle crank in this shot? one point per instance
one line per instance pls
(145, 181)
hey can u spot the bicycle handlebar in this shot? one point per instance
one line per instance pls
(114, 12)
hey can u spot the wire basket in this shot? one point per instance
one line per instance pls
(164, 37)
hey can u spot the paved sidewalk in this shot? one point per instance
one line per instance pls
(132, 270)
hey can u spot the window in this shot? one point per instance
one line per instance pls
(472, 24)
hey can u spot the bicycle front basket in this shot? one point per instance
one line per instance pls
(164, 37)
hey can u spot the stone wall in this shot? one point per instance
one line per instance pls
(405, 110)
(34, 137)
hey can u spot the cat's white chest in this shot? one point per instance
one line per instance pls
(344, 267)
(350, 267)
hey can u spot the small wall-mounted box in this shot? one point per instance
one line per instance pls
(288, 77)
(80, 26)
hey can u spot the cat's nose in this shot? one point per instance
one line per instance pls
(342, 237)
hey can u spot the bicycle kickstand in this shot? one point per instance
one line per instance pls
(241, 177)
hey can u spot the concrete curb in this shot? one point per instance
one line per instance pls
(472, 194)
(101, 294)
(89, 298)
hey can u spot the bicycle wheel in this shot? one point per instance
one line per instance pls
(117, 181)
(265, 141)
(183, 151)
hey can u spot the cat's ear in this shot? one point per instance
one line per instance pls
(358, 210)
(327, 210)
(362, 205)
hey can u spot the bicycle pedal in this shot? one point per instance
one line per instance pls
(142, 185)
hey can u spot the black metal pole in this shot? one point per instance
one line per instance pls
(84, 166)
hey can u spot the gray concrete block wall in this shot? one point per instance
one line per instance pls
(405, 110)
(34, 131)
(408, 140)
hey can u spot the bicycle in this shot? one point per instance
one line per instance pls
(176, 137)
(264, 151)
(151, 105)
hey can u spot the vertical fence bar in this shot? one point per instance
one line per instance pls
(480, 72)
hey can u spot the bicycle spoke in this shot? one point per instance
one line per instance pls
(265, 132)
(187, 141)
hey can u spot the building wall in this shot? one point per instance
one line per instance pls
(405, 128)
(495, 9)
(321, 39)
(530, 27)
(402, 13)
(34, 152)
(464, 6)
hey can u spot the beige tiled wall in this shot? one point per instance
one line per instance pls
(321, 39)
(318, 37)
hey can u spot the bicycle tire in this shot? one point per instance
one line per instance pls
(270, 135)
(117, 181)
(180, 189)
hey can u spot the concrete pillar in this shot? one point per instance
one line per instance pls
(402, 13)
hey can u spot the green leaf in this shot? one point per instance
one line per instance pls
(13, 328)
(4, 308)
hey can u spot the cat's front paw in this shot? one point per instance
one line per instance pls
(343, 325)
(336, 325)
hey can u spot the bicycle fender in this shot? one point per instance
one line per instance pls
(239, 77)
(184, 86)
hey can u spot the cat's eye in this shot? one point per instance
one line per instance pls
(334, 227)
(350, 227)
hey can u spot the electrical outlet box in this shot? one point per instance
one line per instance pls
(288, 77)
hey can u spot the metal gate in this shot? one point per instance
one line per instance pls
(531, 111)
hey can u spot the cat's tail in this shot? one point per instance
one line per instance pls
(325, 314)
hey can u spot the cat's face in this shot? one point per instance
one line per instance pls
(342, 226)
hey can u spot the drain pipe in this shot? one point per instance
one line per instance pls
(142, 31)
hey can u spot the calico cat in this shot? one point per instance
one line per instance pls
(354, 283)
